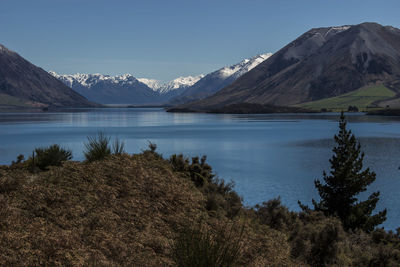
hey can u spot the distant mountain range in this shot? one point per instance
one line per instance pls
(23, 85)
(105, 89)
(126, 89)
(340, 65)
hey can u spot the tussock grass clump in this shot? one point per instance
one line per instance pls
(202, 246)
(99, 147)
(118, 147)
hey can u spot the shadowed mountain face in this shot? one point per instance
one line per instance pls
(20, 80)
(321, 63)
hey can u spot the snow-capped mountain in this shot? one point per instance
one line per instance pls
(90, 80)
(125, 89)
(151, 83)
(213, 82)
(241, 68)
(176, 84)
(106, 89)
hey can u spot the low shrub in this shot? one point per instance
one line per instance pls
(52, 155)
(199, 171)
(220, 195)
(276, 216)
(316, 239)
(19, 160)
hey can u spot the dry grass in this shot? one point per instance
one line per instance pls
(125, 210)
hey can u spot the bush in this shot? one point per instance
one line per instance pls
(220, 195)
(19, 160)
(276, 216)
(201, 246)
(199, 171)
(53, 155)
(316, 240)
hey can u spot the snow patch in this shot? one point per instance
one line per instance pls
(242, 67)
(89, 80)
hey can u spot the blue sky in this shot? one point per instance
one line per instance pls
(169, 38)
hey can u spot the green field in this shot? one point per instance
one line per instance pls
(361, 98)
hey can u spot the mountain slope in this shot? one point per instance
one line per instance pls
(217, 80)
(32, 86)
(322, 63)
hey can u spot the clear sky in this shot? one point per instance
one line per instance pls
(165, 39)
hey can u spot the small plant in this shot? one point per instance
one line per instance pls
(118, 147)
(20, 159)
(200, 246)
(152, 147)
(97, 147)
(53, 155)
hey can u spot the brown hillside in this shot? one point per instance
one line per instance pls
(124, 211)
(143, 210)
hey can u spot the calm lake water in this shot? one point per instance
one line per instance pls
(265, 155)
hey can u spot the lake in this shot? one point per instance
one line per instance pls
(265, 155)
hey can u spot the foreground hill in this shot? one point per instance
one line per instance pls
(322, 63)
(143, 210)
(23, 85)
(126, 210)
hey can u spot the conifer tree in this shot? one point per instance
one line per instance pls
(340, 189)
